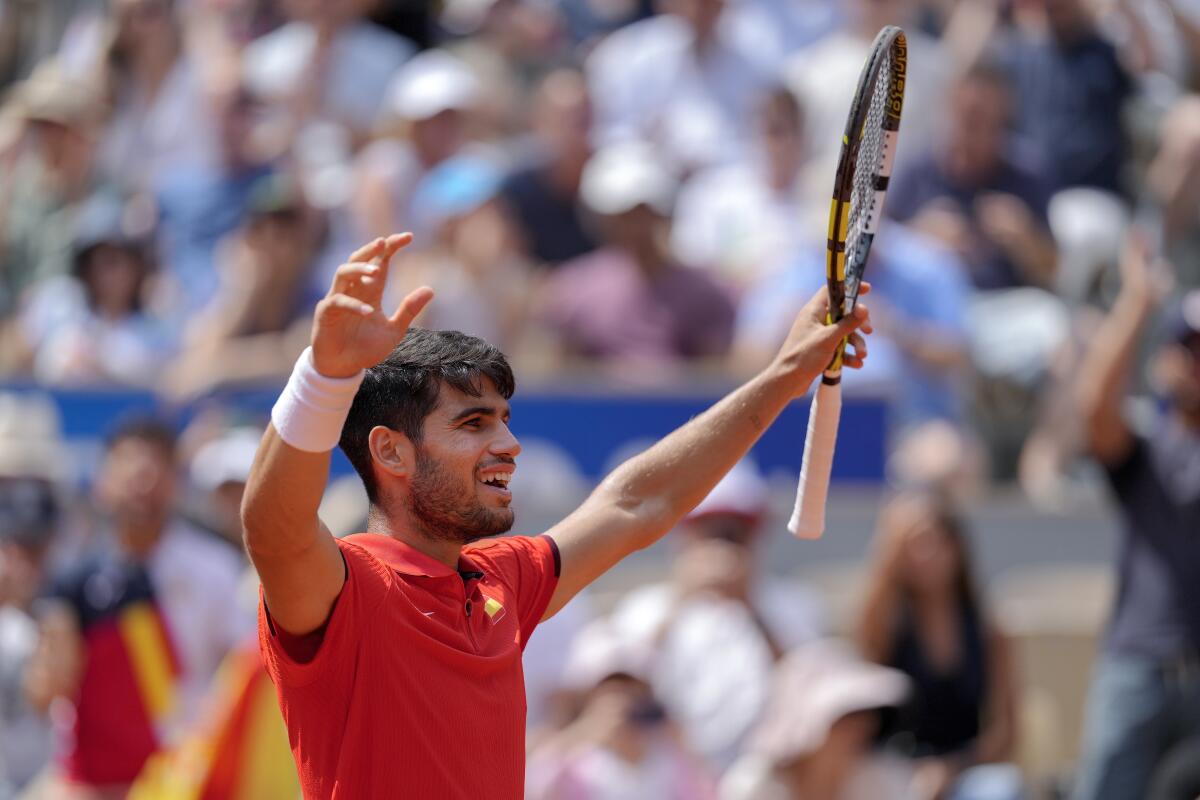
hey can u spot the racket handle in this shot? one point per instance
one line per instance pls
(808, 518)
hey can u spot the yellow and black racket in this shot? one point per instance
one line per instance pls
(859, 187)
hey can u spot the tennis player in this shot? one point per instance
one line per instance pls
(396, 653)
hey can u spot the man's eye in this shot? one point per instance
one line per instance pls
(474, 423)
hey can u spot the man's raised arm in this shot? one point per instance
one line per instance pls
(296, 558)
(646, 496)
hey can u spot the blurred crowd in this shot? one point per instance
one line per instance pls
(633, 193)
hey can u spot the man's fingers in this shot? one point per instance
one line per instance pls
(367, 251)
(410, 307)
(859, 318)
(348, 304)
(391, 246)
(354, 278)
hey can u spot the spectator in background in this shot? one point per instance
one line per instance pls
(157, 120)
(426, 113)
(923, 616)
(622, 745)
(677, 80)
(200, 203)
(918, 353)
(629, 303)
(718, 626)
(219, 470)
(327, 63)
(49, 175)
(814, 742)
(542, 194)
(259, 318)
(132, 635)
(1145, 693)
(30, 469)
(972, 192)
(93, 327)
(1069, 89)
(740, 220)
(825, 74)
(1173, 180)
(470, 257)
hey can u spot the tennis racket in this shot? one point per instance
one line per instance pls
(859, 187)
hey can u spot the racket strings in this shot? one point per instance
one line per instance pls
(868, 163)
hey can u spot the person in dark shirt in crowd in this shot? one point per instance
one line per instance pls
(1145, 693)
(543, 196)
(974, 194)
(924, 617)
(1070, 86)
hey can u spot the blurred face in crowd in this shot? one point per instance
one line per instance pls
(437, 138)
(226, 507)
(931, 557)
(563, 116)
(871, 15)
(736, 529)
(639, 230)
(238, 116)
(28, 520)
(136, 484)
(977, 129)
(142, 25)
(282, 243)
(113, 276)
(633, 713)
(66, 151)
(1065, 17)
(780, 125)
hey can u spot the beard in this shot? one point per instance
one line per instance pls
(449, 509)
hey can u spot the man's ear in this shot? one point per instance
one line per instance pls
(391, 451)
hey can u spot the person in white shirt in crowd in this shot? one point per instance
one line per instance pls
(623, 744)
(778, 28)
(93, 327)
(425, 120)
(824, 75)
(328, 63)
(814, 742)
(679, 81)
(740, 220)
(720, 623)
(30, 475)
(159, 118)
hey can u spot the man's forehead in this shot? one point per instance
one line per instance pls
(452, 401)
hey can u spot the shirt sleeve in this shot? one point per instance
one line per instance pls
(367, 585)
(530, 566)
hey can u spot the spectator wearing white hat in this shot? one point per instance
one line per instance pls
(719, 624)
(814, 742)
(622, 745)
(425, 120)
(630, 303)
(219, 470)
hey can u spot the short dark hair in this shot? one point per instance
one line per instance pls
(143, 428)
(402, 390)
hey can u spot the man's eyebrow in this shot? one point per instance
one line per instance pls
(486, 411)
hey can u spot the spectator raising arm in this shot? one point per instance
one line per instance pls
(1104, 374)
(296, 557)
(646, 496)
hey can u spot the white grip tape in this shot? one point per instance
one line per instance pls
(312, 409)
(808, 518)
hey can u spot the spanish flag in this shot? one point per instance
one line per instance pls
(240, 753)
(127, 691)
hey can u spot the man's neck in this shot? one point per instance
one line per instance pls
(403, 529)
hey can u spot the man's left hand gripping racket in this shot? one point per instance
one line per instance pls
(861, 182)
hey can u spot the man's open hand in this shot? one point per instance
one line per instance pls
(350, 330)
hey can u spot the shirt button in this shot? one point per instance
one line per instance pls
(468, 608)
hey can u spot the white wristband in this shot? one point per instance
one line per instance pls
(310, 413)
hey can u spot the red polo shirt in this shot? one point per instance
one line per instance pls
(416, 689)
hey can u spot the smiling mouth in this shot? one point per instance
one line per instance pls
(497, 482)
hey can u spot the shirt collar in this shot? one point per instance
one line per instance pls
(406, 559)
